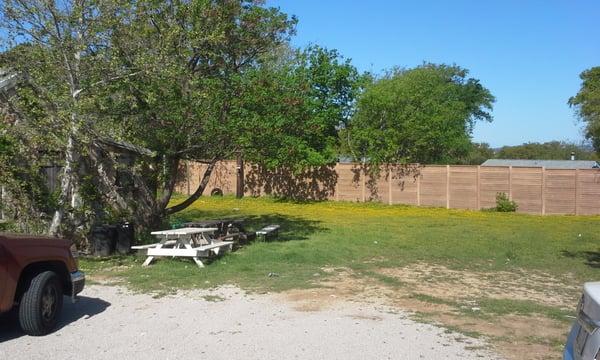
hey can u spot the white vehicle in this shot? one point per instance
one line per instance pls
(584, 339)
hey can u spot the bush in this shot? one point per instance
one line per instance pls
(504, 204)
(4, 225)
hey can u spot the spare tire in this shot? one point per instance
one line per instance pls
(216, 192)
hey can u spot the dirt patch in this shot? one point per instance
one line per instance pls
(442, 282)
(343, 286)
(432, 294)
(515, 337)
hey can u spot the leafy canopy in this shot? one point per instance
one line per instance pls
(294, 107)
(587, 104)
(423, 115)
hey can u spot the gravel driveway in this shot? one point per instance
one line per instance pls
(113, 323)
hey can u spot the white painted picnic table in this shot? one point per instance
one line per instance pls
(185, 242)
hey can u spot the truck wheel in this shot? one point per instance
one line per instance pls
(41, 304)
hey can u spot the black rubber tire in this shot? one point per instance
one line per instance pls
(33, 318)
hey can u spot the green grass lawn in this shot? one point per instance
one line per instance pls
(480, 273)
(369, 236)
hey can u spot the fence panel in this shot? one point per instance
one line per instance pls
(492, 180)
(433, 186)
(588, 192)
(559, 192)
(404, 189)
(526, 189)
(349, 183)
(463, 187)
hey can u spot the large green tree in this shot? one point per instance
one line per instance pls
(587, 104)
(189, 80)
(296, 103)
(420, 115)
(164, 75)
(228, 86)
(190, 60)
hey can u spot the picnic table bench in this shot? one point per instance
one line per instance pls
(196, 243)
(268, 231)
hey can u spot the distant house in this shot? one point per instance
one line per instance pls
(549, 164)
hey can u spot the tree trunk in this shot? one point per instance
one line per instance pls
(68, 188)
(196, 195)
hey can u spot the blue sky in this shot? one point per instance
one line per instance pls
(529, 53)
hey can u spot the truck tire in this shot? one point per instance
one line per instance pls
(41, 304)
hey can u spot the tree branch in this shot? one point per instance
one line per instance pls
(196, 195)
(105, 81)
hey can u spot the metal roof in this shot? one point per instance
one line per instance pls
(550, 164)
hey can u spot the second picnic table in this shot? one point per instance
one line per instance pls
(191, 242)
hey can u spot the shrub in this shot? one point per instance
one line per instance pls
(504, 204)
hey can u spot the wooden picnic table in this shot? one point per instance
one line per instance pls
(196, 243)
(230, 229)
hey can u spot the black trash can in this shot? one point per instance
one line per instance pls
(125, 236)
(103, 240)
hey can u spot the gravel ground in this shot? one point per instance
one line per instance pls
(113, 323)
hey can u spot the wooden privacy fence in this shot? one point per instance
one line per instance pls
(535, 190)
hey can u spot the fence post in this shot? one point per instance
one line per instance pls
(363, 184)
(543, 190)
(478, 187)
(447, 186)
(576, 191)
(390, 202)
(510, 182)
(338, 170)
(419, 189)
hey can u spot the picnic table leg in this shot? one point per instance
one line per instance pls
(150, 258)
(148, 261)
(198, 262)
(217, 250)
(196, 259)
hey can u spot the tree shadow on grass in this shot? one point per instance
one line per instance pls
(590, 258)
(292, 227)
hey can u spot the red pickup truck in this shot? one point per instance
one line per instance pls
(35, 273)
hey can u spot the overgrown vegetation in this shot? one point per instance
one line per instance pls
(183, 80)
(504, 204)
(551, 150)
